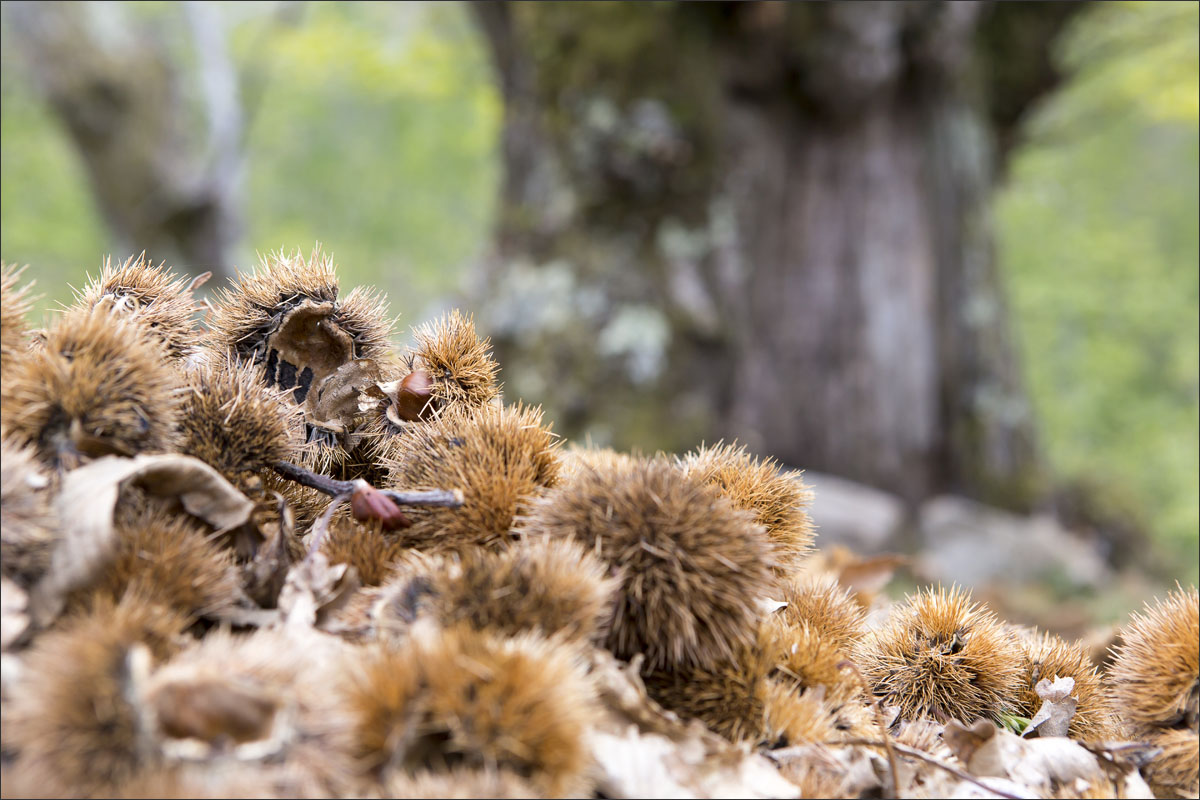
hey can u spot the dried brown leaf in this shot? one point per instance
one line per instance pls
(85, 508)
(1058, 707)
(314, 591)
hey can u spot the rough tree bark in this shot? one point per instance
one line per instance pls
(768, 221)
(165, 178)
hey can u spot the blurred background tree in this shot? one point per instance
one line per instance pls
(777, 228)
(630, 164)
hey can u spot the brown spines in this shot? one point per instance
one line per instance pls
(153, 296)
(466, 699)
(245, 315)
(792, 717)
(27, 519)
(286, 320)
(73, 720)
(14, 306)
(1047, 656)
(364, 546)
(598, 459)
(169, 560)
(729, 697)
(940, 655)
(459, 364)
(779, 500)
(1175, 772)
(239, 427)
(1155, 676)
(821, 684)
(790, 688)
(804, 658)
(552, 587)
(99, 386)
(691, 566)
(824, 605)
(500, 457)
(284, 317)
(1155, 688)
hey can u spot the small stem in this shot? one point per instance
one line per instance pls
(321, 526)
(914, 753)
(312, 480)
(447, 498)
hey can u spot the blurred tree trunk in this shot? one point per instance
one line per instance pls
(165, 172)
(768, 221)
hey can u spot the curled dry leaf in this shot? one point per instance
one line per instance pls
(85, 508)
(264, 577)
(314, 591)
(964, 741)
(1036, 764)
(335, 402)
(1058, 707)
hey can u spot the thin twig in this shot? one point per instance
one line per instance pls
(891, 757)
(447, 498)
(887, 742)
(321, 526)
(313, 480)
(914, 753)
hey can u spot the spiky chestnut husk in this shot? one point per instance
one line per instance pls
(600, 459)
(1048, 656)
(307, 504)
(691, 566)
(72, 720)
(1176, 771)
(153, 296)
(809, 663)
(99, 386)
(285, 318)
(170, 560)
(27, 519)
(461, 783)
(265, 693)
(364, 546)
(500, 457)
(940, 655)
(449, 369)
(1155, 676)
(792, 717)
(552, 587)
(459, 363)
(14, 306)
(729, 697)
(258, 307)
(803, 656)
(824, 605)
(239, 427)
(758, 696)
(462, 698)
(778, 499)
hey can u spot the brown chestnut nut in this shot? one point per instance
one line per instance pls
(414, 396)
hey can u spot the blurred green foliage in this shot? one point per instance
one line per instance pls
(373, 128)
(1097, 230)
